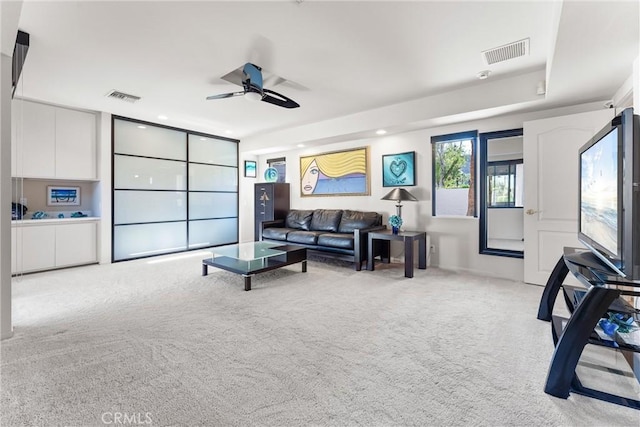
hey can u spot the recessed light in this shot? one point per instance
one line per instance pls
(300, 145)
(228, 131)
(162, 117)
(381, 132)
(483, 74)
(141, 127)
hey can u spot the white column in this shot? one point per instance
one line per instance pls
(9, 17)
(104, 187)
(6, 326)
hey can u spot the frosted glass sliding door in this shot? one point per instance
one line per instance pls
(213, 232)
(173, 190)
(213, 151)
(149, 174)
(149, 206)
(143, 240)
(204, 205)
(140, 139)
(213, 192)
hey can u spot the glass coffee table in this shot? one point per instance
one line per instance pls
(252, 258)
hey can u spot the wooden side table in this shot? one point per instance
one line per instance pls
(408, 237)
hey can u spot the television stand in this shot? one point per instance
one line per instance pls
(578, 256)
(587, 306)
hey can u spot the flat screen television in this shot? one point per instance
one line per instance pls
(609, 198)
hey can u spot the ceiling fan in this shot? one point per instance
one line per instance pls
(252, 84)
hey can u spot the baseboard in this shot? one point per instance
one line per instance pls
(476, 272)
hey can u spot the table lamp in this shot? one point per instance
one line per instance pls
(399, 195)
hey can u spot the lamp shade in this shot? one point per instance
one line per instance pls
(399, 194)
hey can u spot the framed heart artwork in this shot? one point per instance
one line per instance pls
(398, 170)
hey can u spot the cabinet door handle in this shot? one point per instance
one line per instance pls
(531, 212)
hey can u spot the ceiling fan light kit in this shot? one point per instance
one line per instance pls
(253, 96)
(253, 89)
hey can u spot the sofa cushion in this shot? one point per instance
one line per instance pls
(304, 237)
(336, 240)
(298, 219)
(275, 233)
(356, 220)
(326, 220)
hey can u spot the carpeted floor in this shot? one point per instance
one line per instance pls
(155, 342)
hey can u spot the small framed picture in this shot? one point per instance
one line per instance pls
(63, 196)
(399, 170)
(250, 169)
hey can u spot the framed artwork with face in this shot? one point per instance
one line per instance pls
(336, 173)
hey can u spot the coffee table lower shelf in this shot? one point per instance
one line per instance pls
(247, 268)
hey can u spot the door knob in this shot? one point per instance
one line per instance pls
(530, 212)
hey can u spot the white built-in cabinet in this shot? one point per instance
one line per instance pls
(52, 142)
(46, 245)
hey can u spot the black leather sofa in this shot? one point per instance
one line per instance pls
(337, 233)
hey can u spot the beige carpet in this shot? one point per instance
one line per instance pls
(157, 342)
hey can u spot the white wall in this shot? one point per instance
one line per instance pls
(455, 239)
(245, 195)
(636, 84)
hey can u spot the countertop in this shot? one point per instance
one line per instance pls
(45, 221)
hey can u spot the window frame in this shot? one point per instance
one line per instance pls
(512, 166)
(484, 137)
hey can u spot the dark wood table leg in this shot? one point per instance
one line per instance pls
(370, 262)
(408, 257)
(422, 252)
(551, 289)
(385, 251)
(247, 282)
(304, 266)
(205, 269)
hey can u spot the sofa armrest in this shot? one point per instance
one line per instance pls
(270, 224)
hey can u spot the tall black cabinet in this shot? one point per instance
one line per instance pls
(271, 202)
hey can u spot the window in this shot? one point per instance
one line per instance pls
(281, 166)
(454, 176)
(504, 184)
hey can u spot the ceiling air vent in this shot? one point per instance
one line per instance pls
(122, 96)
(506, 52)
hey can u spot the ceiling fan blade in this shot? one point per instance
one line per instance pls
(236, 76)
(278, 99)
(271, 80)
(225, 95)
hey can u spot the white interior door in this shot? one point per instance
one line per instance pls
(551, 187)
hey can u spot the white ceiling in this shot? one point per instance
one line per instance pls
(401, 65)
